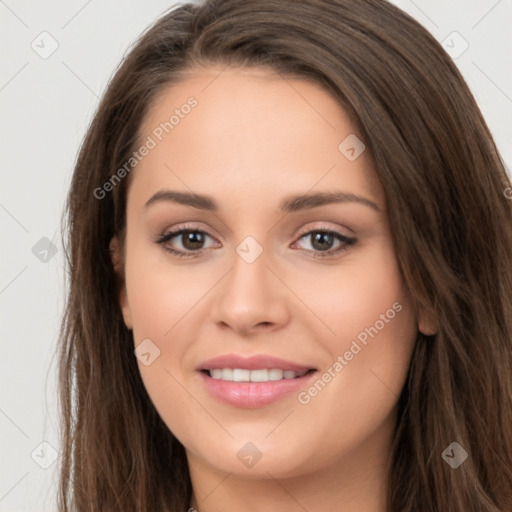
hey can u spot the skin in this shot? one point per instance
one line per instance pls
(253, 139)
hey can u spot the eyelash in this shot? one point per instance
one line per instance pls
(166, 237)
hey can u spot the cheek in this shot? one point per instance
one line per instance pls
(162, 301)
(366, 294)
(160, 293)
(371, 324)
(358, 387)
(158, 301)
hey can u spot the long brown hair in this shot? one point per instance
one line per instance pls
(451, 224)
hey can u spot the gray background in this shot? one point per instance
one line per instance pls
(47, 102)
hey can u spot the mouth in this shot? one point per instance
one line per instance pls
(250, 382)
(258, 375)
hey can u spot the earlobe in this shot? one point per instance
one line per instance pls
(125, 308)
(117, 262)
(427, 323)
(115, 253)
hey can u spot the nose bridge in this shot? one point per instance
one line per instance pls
(250, 293)
(248, 280)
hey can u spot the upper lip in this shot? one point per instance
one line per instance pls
(255, 362)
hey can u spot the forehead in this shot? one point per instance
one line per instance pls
(249, 129)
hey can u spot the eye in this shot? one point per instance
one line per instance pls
(190, 238)
(323, 239)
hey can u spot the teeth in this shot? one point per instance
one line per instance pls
(275, 374)
(258, 376)
(216, 374)
(239, 375)
(263, 375)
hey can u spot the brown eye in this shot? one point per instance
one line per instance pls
(322, 241)
(189, 241)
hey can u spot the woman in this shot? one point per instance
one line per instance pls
(290, 260)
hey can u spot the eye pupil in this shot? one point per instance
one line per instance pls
(320, 238)
(193, 240)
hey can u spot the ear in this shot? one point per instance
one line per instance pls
(427, 322)
(118, 264)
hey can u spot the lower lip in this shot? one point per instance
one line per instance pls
(251, 395)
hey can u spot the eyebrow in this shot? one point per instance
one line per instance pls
(289, 204)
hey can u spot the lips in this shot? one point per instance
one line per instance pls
(254, 381)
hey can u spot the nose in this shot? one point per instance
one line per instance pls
(251, 298)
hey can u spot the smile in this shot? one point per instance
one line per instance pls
(262, 375)
(254, 381)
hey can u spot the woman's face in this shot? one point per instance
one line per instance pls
(280, 341)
